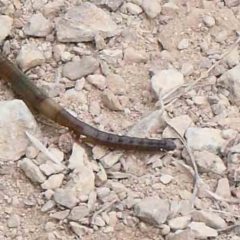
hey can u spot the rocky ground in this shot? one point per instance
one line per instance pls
(159, 68)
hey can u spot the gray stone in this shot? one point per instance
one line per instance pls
(205, 139)
(82, 23)
(32, 171)
(203, 231)
(179, 222)
(78, 69)
(14, 221)
(53, 182)
(109, 4)
(38, 26)
(6, 25)
(210, 219)
(65, 197)
(15, 119)
(60, 215)
(111, 101)
(79, 212)
(151, 8)
(152, 210)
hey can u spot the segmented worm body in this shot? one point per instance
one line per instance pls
(39, 101)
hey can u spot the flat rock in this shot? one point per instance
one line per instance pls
(14, 221)
(61, 215)
(65, 197)
(38, 26)
(179, 222)
(78, 69)
(181, 124)
(32, 171)
(210, 219)
(116, 84)
(82, 23)
(79, 212)
(6, 25)
(132, 56)
(166, 80)
(152, 210)
(15, 119)
(53, 182)
(50, 168)
(203, 231)
(111, 158)
(98, 81)
(205, 139)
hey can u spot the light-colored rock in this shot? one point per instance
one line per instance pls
(50, 168)
(166, 178)
(82, 179)
(52, 9)
(203, 231)
(232, 59)
(166, 80)
(152, 210)
(32, 171)
(209, 139)
(82, 23)
(6, 25)
(98, 221)
(98, 81)
(148, 125)
(15, 119)
(231, 81)
(73, 96)
(132, 56)
(183, 44)
(181, 124)
(14, 221)
(95, 108)
(113, 5)
(111, 56)
(111, 158)
(29, 57)
(133, 9)
(207, 162)
(80, 230)
(111, 101)
(48, 206)
(65, 197)
(61, 215)
(151, 8)
(223, 188)
(38, 26)
(116, 84)
(231, 3)
(53, 182)
(210, 219)
(184, 235)
(179, 222)
(78, 69)
(209, 21)
(79, 212)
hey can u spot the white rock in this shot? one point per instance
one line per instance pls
(207, 162)
(210, 219)
(166, 80)
(152, 210)
(231, 81)
(53, 182)
(132, 56)
(203, 231)
(151, 8)
(73, 96)
(14, 221)
(15, 119)
(6, 25)
(111, 158)
(179, 222)
(65, 197)
(38, 26)
(232, 59)
(116, 84)
(223, 188)
(79, 212)
(29, 57)
(82, 23)
(111, 56)
(98, 81)
(183, 44)
(180, 123)
(32, 171)
(111, 101)
(166, 179)
(133, 8)
(209, 21)
(209, 139)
